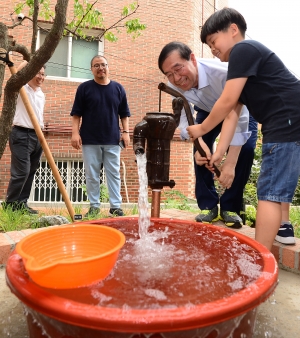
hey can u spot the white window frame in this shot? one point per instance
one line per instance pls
(91, 32)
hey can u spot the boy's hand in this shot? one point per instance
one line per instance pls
(194, 131)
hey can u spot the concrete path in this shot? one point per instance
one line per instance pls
(278, 317)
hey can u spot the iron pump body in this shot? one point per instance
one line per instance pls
(158, 130)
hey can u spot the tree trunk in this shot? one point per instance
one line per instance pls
(39, 58)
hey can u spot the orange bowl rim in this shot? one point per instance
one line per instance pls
(28, 259)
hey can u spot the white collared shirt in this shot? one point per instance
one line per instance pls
(212, 75)
(37, 101)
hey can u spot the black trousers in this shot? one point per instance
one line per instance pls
(205, 191)
(26, 152)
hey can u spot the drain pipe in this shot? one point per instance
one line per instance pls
(155, 203)
(124, 180)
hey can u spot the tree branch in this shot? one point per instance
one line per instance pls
(84, 16)
(115, 25)
(35, 25)
(20, 49)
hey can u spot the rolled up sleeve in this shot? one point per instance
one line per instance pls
(242, 133)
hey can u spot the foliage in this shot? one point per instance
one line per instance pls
(15, 220)
(87, 16)
(174, 199)
(250, 215)
(104, 195)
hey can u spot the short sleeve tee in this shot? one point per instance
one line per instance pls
(271, 93)
(100, 107)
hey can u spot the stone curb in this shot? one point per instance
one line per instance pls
(287, 256)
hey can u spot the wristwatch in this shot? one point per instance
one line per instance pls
(126, 131)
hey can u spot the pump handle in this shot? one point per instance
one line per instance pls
(163, 87)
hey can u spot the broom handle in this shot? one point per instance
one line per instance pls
(45, 147)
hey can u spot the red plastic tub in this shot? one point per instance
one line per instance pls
(196, 280)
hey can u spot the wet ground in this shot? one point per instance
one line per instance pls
(278, 317)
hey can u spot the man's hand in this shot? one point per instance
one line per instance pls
(227, 175)
(203, 160)
(76, 141)
(228, 168)
(126, 139)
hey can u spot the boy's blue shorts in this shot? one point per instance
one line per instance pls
(279, 173)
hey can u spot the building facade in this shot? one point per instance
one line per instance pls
(133, 63)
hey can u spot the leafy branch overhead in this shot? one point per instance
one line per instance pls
(87, 16)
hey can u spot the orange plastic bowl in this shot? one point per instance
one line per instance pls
(70, 256)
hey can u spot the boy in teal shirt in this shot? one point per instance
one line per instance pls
(258, 79)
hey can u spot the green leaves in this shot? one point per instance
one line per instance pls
(134, 27)
(86, 16)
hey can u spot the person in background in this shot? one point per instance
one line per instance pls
(24, 144)
(259, 79)
(97, 108)
(201, 81)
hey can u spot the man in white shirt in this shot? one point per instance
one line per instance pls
(24, 145)
(201, 81)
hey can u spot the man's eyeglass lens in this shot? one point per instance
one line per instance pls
(100, 65)
(176, 71)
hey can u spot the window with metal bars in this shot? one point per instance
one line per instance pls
(45, 189)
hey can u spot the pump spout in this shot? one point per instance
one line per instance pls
(140, 133)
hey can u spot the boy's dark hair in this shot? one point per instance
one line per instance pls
(221, 20)
(183, 49)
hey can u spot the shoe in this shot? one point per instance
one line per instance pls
(19, 206)
(285, 234)
(93, 212)
(231, 219)
(208, 216)
(116, 212)
(26, 209)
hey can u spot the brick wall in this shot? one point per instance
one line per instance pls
(133, 63)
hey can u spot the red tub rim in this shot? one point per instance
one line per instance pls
(152, 320)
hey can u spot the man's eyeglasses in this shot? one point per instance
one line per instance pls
(100, 65)
(176, 71)
(41, 74)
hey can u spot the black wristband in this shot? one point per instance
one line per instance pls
(126, 131)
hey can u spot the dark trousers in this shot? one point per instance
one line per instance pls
(232, 199)
(26, 152)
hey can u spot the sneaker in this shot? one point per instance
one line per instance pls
(116, 212)
(231, 219)
(93, 212)
(208, 216)
(285, 234)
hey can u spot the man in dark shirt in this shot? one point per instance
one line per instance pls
(99, 104)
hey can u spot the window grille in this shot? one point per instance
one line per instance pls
(45, 188)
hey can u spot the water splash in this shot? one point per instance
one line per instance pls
(143, 205)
